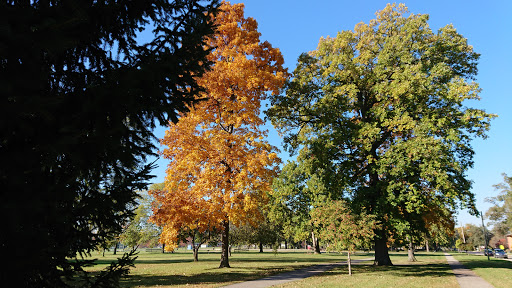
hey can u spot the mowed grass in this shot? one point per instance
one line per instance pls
(431, 270)
(178, 269)
(498, 272)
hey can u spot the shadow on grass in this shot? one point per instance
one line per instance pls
(484, 263)
(413, 270)
(225, 276)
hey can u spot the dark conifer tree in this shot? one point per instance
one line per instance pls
(80, 96)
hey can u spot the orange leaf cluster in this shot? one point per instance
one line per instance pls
(220, 167)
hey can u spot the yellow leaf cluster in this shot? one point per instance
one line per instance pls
(220, 167)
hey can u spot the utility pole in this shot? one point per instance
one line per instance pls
(485, 236)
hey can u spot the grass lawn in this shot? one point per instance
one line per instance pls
(431, 270)
(498, 272)
(178, 269)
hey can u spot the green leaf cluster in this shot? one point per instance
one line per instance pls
(383, 108)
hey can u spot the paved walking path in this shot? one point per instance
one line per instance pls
(292, 275)
(466, 277)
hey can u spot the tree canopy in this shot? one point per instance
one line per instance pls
(382, 111)
(81, 95)
(220, 165)
(501, 212)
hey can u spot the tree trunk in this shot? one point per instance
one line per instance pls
(224, 257)
(195, 249)
(349, 262)
(410, 252)
(163, 248)
(381, 249)
(427, 246)
(285, 244)
(316, 244)
(261, 247)
(115, 248)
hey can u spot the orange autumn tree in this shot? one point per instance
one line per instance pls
(220, 165)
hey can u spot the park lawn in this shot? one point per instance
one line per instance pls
(431, 270)
(178, 269)
(498, 272)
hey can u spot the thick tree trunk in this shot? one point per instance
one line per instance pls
(317, 247)
(410, 252)
(316, 244)
(261, 247)
(115, 248)
(224, 257)
(163, 248)
(427, 246)
(285, 244)
(381, 249)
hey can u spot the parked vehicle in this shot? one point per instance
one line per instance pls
(499, 253)
(488, 252)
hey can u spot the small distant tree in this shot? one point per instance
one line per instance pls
(342, 229)
(139, 230)
(500, 213)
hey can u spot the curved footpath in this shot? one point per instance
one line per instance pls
(292, 275)
(466, 277)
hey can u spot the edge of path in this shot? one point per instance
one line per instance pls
(466, 277)
(292, 275)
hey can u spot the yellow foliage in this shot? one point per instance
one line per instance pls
(218, 170)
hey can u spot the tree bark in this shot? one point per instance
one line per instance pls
(163, 248)
(115, 248)
(224, 257)
(316, 244)
(195, 249)
(381, 249)
(427, 246)
(349, 262)
(261, 247)
(410, 252)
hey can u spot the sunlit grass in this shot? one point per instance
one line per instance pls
(176, 269)
(431, 270)
(498, 272)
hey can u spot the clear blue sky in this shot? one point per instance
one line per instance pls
(296, 26)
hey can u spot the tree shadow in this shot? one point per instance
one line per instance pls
(151, 280)
(400, 270)
(484, 263)
(228, 275)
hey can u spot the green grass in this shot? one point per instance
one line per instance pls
(178, 269)
(498, 272)
(431, 270)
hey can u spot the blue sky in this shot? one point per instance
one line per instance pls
(296, 26)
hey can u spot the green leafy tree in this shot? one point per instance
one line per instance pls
(140, 230)
(383, 110)
(342, 229)
(293, 195)
(501, 212)
(81, 95)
